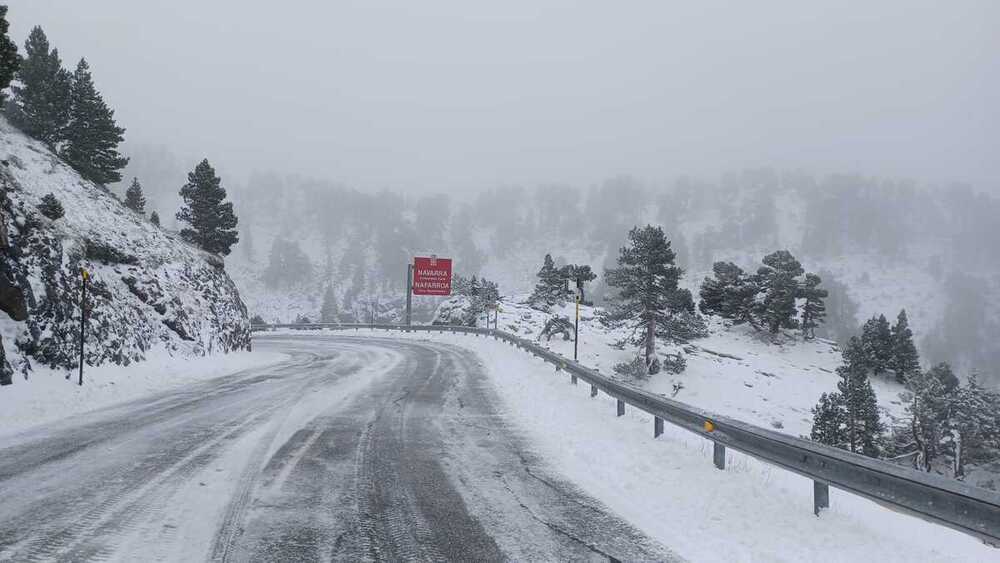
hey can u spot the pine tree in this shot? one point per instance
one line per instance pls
(814, 310)
(863, 426)
(51, 207)
(460, 285)
(154, 218)
(830, 421)
(488, 298)
(550, 287)
(92, 136)
(328, 312)
(212, 222)
(714, 291)
(473, 287)
(904, 359)
(9, 61)
(927, 406)
(646, 279)
(134, 199)
(572, 274)
(731, 294)
(43, 92)
(781, 289)
(974, 423)
(876, 339)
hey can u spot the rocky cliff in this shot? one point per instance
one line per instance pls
(148, 289)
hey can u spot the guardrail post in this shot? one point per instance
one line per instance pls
(719, 455)
(821, 497)
(593, 390)
(657, 426)
(621, 407)
(572, 379)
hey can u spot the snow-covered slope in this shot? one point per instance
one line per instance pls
(149, 290)
(733, 371)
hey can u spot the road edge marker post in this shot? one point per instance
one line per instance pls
(84, 277)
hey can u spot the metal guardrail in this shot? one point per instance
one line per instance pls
(933, 498)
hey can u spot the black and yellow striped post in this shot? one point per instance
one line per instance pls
(84, 278)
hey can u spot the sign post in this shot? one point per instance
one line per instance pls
(85, 276)
(427, 276)
(409, 293)
(576, 328)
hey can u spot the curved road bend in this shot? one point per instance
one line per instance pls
(352, 450)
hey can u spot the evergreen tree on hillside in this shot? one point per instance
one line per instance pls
(460, 285)
(779, 282)
(735, 295)
(154, 218)
(713, 291)
(863, 426)
(814, 310)
(904, 359)
(550, 288)
(92, 136)
(43, 92)
(9, 61)
(927, 409)
(134, 199)
(731, 294)
(328, 312)
(474, 287)
(51, 207)
(876, 339)
(974, 424)
(646, 279)
(943, 373)
(830, 421)
(488, 297)
(212, 222)
(571, 274)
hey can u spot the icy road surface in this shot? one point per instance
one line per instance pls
(354, 449)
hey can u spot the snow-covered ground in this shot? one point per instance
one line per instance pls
(669, 489)
(731, 372)
(50, 395)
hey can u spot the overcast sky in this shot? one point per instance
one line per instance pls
(441, 95)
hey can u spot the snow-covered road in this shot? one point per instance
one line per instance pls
(353, 449)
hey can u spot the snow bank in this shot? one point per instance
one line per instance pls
(51, 395)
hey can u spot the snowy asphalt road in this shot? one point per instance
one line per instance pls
(354, 449)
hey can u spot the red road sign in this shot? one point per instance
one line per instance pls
(431, 276)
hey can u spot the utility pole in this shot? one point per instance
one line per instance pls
(84, 275)
(409, 293)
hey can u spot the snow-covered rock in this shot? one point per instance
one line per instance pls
(454, 311)
(148, 289)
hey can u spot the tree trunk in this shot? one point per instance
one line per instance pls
(650, 343)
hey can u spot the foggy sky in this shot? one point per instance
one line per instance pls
(451, 94)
